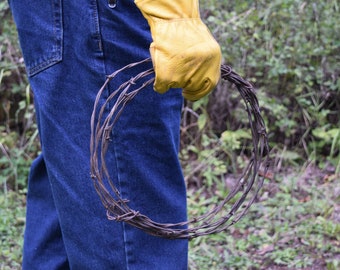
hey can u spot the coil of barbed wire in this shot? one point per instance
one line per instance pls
(219, 217)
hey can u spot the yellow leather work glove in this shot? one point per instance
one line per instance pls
(184, 53)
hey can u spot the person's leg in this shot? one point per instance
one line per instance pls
(95, 41)
(43, 244)
(145, 144)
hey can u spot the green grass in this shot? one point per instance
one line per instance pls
(12, 221)
(294, 225)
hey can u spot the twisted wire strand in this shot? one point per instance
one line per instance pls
(219, 217)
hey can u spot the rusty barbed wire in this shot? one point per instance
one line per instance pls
(219, 218)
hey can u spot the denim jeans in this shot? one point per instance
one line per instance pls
(69, 47)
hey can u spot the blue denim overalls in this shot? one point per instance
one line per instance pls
(69, 46)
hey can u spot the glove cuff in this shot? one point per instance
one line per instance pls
(168, 9)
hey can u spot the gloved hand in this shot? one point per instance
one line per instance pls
(184, 53)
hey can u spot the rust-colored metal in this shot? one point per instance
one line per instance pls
(222, 215)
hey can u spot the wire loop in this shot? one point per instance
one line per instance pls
(219, 218)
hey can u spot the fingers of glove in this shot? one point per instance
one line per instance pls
(185, 55)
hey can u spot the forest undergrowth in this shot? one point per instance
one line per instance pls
(290, 51)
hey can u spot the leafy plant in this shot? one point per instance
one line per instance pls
(12, 220)
(290, 50)
(295, 224)
(18, 141)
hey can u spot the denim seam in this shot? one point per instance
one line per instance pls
(34, 69)
(96, 31)
(116, 156)
(114, 144)
(56, 55)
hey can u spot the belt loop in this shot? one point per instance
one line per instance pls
(112, 3)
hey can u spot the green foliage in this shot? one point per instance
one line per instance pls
(18, 140)
(290, 50)
(295, 225)
(12, 220)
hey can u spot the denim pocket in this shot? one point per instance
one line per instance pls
(40, 28)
